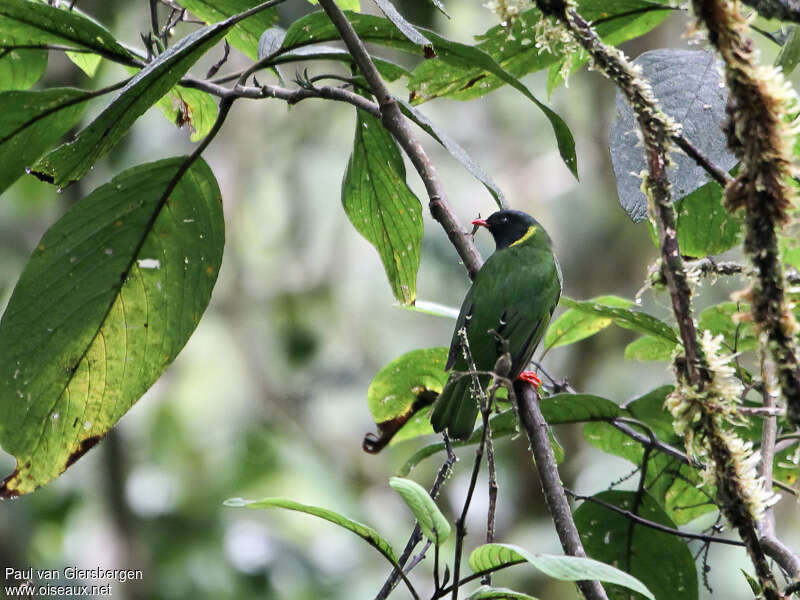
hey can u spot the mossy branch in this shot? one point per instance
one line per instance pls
(757, 134)
(698, 388)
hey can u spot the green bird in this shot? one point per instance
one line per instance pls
(505, 314)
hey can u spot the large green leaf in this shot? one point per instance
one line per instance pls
(575, 325)
(32, 22)
(564, 568)
(245, 35)
(30, 123)
(649, 348)
(382, 207)
(317, 27)
(404, 387)
(365, 532)
(660, 560)
(514, 48)
(704, 225)
(577, 408)
(69, 162)
(627, 318)
(719, 320)
(431, 520)
(21, 69)
(109, 297)
(187, 106)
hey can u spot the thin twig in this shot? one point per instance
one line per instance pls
(634, 518)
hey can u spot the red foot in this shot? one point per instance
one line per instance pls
(531, 378)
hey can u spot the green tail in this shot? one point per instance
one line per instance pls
(455, 409)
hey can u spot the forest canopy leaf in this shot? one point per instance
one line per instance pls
(245, 35)
(686, 83)
(365, 532)
(704, 225)
(382, 207)
(21, 69)
(574, 325)
(431, 521)
(574, 408)
(649, 348)
(660, 560)
(31, 122)
(627, 318)
(109, 297)
(71, 161)
(564, 568)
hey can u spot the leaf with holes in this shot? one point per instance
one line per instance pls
(382, 207)
(660, 560)
(32, 122)
(564, 568)
(365, 532)
(431, 520)
(109, 297)
(69, 162)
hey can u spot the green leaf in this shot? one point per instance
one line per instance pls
(354, 5)
(564, 568)
(660, 560)
(85, 61)
(382, 207)
(28, 22)
(704, 225)
(187, 106)
(719, 320)
(486, 592)
(109, 297)
(21, 69)
(575, 325)
(649, 408)
(649, 348)
(32, 122)
(317, 27)
(754, 584)
(431, 520)
(576, 408)
(69, 162)
(407, 29)
(789, 55)
(403, 386)
(455, 150)
(675, 485)
(625, 317)
(514, 48)
(433, 308)
(389, 71)
(245, 35)
(365, 532)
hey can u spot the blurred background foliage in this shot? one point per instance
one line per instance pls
(269, 396)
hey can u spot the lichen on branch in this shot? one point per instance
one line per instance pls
(759, 133)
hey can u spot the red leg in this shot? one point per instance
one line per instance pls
(531, 378)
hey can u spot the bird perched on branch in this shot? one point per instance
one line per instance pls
(506, 310)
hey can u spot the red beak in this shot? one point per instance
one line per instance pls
(480, 223)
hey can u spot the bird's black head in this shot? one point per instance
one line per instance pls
(510, 227)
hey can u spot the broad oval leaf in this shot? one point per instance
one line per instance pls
(403, 391)
(109, 297)
(71, 161)
(574, 325)
(648, 348)
(21, 69)
(365, 532)
(564, 568)
(704, 225)
(577, 408)
(431, 520)
(486, 592)
(686, 84)
(39, 23)
(627, 318)
(382, 207)
(660, 560)
(31, 122)
(245, 35)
